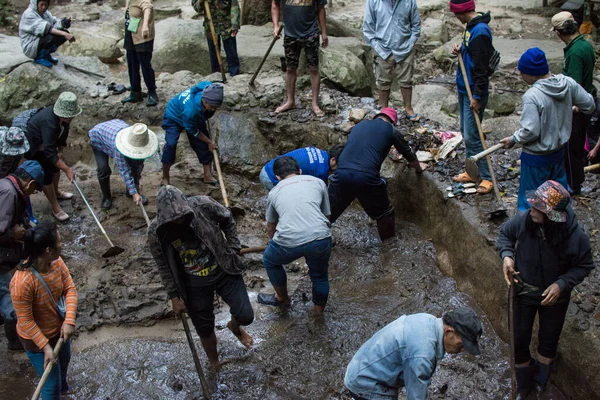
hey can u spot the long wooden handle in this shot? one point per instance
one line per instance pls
(214, 38)
(253, 249)
(220, 175)
(592, 167)
(511, 330)
(47, 371)
(487, 152)
(145, 214)
(188, 335)
(266, 55)
(93, 214)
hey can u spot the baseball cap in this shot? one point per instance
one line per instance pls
(466, 322)
(34, 169)
(390, 113)
(552, 199)
(559, 20)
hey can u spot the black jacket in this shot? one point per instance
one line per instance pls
(46, 133)
(12, 212)
(541, 263)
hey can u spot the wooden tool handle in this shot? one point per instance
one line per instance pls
(487, 152)
(253, 249)
(93, 213)
(47, 371)
(592, 167)
(220, 175)
(266, 55)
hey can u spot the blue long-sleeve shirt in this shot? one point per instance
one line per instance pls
(186, 109)
(403, 353)
(312, 161)
(392, 27)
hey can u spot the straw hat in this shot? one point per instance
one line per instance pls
(13, 141)
(66, 106)
(137, 142)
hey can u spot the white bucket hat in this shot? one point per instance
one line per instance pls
(137, 142)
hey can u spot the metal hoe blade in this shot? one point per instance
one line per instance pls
(113, 251)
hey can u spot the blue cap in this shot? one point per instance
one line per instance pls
(34, 169)
(533, 62)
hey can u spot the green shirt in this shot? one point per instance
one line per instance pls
(225, 17)
(579, 63)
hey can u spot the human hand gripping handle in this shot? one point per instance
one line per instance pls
(509, 270)
(178, 306)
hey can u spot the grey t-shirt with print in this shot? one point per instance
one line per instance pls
(301, 18)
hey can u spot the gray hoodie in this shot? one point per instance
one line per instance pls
(548, 114)
(33, 26)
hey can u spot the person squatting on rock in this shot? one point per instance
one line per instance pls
(191, 110)
(392, 28)
(545, 123)
(195, 260)
(47, 132)
(546, 254)
(311, 161)
(357, 174)
(405, 353)
(476, 49)
(45, 299)
(297, 211)
(129, 146)
(139, 44)
(41, 33)
(302, 20)
(225, 16)
(15, 190)
(579, 65)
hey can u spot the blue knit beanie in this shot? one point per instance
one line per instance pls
(533, 62)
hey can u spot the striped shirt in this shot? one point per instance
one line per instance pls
(37, 318)
(103, 137)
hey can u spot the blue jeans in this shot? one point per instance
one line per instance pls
(57, 380)
(143, 60)
(6, 306)
(172, 132)
(468, 127)
(537, 169)
(316, 254)
(230, 45)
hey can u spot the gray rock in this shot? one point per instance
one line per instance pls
(343, 70)
(511, 50)
(426, 6)
(180, 45)
(503, 103)
(434, 31)
(430, 100)
(11, 54)
(99, 41)
(442, 53)
(501, 127)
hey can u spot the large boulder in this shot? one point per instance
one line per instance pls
(434, 32)
(242, 148)
(512, 49)
(430, 101)
(503, 103)
(11, 54)
(96, 40)
(255, 12)
(180, 45)
(501, 127)
(343, 70)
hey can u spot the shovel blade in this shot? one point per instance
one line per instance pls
(113, 251)
(473, 170)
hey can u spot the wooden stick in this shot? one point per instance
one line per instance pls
(220, 175)
(511, 330)
(188, 334)
(145, 214)
(47, 371)
(251, 83)
(592, 167)
(253, 249)
(214, 38)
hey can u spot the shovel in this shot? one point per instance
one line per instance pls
(114, 250)
(251, 83)
(215, 39)
(511, 330)
(472, 168)
(220, 175)
(145, 215)
(500, 211)
(188, 335)
(47, 371)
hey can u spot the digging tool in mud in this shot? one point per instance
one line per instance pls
(500, 210)
(511, 332)
(251, 83)
(47, 371)
(592, 167)
(215, 38)
(220, 175)
(188, 335)
(114, 250)
(472, 168)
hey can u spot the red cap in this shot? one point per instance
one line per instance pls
(390, 113)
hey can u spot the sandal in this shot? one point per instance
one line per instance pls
(215, 182)
(61, 216)
(414, 118)
(485, 187)
(64, 195)
(463, 178)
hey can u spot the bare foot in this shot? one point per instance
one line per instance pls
(216, 365)
(285, 107)
(317, 110)
(210, 179)
(243, 336)
(164, 181)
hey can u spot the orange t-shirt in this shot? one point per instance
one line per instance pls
(37, 317)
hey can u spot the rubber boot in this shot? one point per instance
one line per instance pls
(152, 99)
(51, 50)
(32, 219)
(10, 329)
(106, 197)
(134, 97)
(525, 381)
(542, 376)
(42, 58)
(386, 226)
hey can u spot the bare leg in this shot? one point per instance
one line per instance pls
(315, 85)
(209, 344)
(55, 181)
(165, 174)
(318, 309)
(51, 196)
(240, 333)
(208, 176)
(407, 98)
(290, 87)
(281, 294)
(384, 98)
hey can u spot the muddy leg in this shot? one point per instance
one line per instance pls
(165, 174)
(240, 333)
(209, 344)
(208, 176)
(281, 293)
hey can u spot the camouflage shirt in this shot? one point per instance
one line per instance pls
(225, 16)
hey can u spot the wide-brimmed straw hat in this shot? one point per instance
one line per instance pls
(137, 142)
(66, 106)
(13, 141)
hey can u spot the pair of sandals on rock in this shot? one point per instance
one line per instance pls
(484, 187)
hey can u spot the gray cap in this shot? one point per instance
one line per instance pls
(213, 94)
(466, 322)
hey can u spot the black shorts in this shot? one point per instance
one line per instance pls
(293, 47)
(370, 193)
(49, 168)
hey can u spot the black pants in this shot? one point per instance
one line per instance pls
(372, 196)
(50, 42)
(575, 157)
(143, 60)
(104, 171)
(230, 45)
(232, 290)
(551, 321)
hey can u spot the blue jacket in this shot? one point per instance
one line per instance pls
(186, 110)
(476, 52)
(403, 353)
(312, 161)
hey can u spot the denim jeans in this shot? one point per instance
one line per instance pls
(317, 255)
(143, 59)
(230, 45)
(468, 127)
(172, 132)
(57, 380)
(6, 306)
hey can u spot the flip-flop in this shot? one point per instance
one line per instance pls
(413, 118)
(215, 182)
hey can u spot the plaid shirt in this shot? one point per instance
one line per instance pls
(103, 138)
